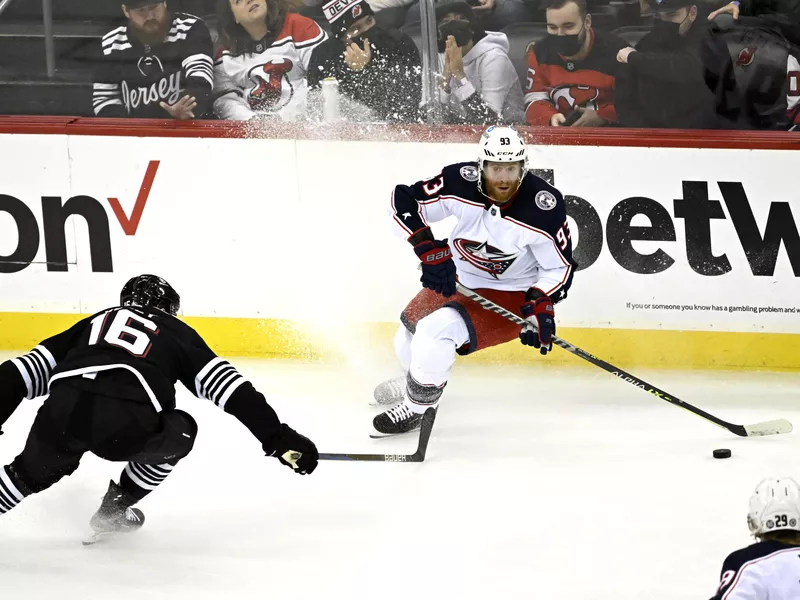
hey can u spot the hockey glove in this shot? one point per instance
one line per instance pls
(540, 326)
(293, 450)
(438, 268)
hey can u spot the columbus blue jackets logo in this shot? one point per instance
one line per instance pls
(484, 256)
(545, 200)
(469, 172)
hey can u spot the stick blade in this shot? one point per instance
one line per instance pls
(425, 434)
(776, 427)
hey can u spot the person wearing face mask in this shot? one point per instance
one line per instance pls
(376, 67)
(677, 75)
(571, 72)
(479, 83)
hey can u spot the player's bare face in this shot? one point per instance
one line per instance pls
(149, 21)
(246, 12)
(502, 180)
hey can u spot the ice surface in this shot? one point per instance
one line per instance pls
(540, 483)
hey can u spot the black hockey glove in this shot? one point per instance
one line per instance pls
(540, 326)
(293, 450)
(438, 268)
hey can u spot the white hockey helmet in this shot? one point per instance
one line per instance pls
(502, 144)
(774, 506)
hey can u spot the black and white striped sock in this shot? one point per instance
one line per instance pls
(10, 495)
(139, 479)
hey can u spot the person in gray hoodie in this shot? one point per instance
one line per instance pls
(479, 83)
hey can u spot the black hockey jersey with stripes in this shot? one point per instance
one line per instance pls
(157, 348)
(131, 79)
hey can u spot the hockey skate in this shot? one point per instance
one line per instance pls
(115, 515)
(398, 419)
(389, 392)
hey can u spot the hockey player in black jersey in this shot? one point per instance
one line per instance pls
(111, 379)
(511, 243)
(770, 568)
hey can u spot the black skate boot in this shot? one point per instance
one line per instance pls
(390, 391)
(396, 420)
(115, 515)
(400, 418)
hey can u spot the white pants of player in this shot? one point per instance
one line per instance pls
(429, 354)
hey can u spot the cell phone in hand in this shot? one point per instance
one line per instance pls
(572, 117)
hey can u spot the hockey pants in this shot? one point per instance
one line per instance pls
(74, 420)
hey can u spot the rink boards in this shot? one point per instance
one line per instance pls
(689, 257)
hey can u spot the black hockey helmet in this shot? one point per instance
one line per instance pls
(150, 291)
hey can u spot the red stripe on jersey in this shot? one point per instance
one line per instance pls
(301, 29)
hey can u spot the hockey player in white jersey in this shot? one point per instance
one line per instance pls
(770, 568)
(511, 243)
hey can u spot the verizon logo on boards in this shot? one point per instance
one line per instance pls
(55, 213)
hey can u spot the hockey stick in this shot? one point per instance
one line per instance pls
(758, 429)
(424, 436)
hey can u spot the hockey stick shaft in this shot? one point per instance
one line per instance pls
(424, 437)
(766, 428)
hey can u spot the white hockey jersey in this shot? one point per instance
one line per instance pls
(763, 571)
(272, 80)
(526, 243)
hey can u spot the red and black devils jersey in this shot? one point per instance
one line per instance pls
(157, 349)
(557, 85)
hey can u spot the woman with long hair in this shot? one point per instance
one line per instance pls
(261, 67)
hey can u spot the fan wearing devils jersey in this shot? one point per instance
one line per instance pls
(511, 243)
(159, 65)
(111, 379)
(261, 69)
(770, 568)
(572, 69)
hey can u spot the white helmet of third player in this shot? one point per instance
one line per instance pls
(774, 506)
(502, 144)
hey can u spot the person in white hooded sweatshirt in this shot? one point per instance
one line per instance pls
(479, 83)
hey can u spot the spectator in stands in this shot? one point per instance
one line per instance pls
(671, 79)
(781, 16)
(376, 67)
(571, 72)
(158, 65)
(261, 68)
(479, 83)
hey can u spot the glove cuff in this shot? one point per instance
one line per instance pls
(421, 235)
(534, 294)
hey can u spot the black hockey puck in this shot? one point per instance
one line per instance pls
(722, 453)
